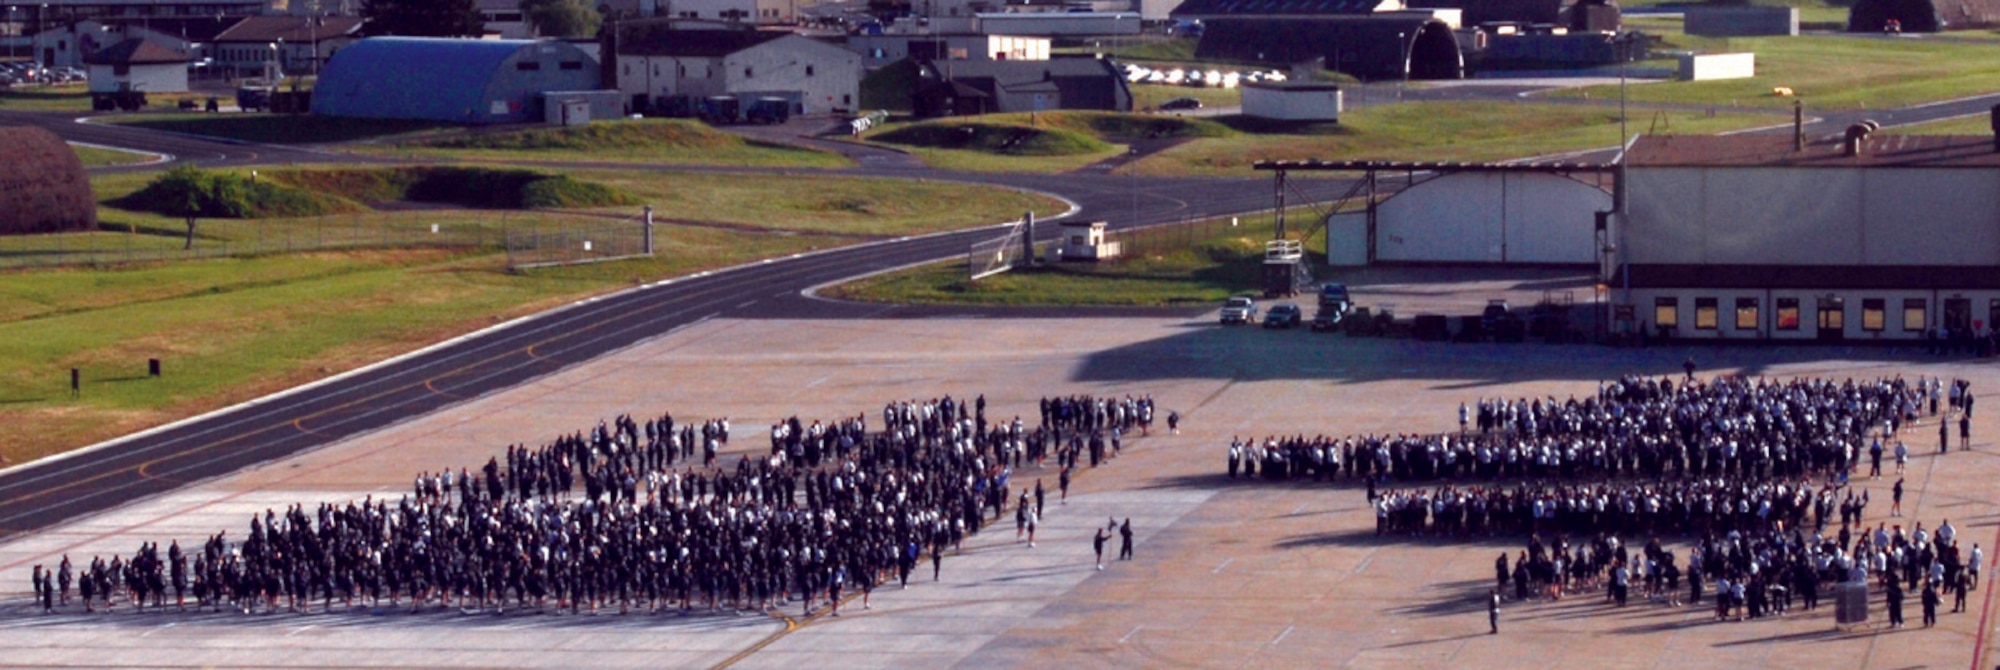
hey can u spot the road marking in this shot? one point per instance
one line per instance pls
(1225, 563)
(300, 629)
(1128, 636)
(745, 303)
(1281, 636)
(819, 381)
(1364, 564)
(1296, 510)
(158, 629)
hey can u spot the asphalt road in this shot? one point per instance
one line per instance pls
(48, 492)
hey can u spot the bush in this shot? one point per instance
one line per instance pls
(486, 188)
(191, 191)
(995, 138)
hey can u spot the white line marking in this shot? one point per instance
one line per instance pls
(1128, 636)
(1300, 508)
(300, 629)
(156, 630)
(1364, 564)
(1225, 563)
(745, 303)
(1281, 636)
(819, 381)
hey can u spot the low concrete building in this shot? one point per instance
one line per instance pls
(138, 64)
(1024, 86)
(1707, 67)
(1855, 237)
(1060, 24)
(294, 44)
(654, 67)
(1292, 101)
(1740, 21)
(755, 12)
(1083, 241)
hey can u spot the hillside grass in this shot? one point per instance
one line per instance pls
(1829, 72)
(1977, 124)
(1431, 131)
(233, 328)
(653, 141)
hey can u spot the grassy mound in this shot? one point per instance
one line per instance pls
(995, 138)
(1131, 126)
(649, 133)
(190, 191)
(467, 186)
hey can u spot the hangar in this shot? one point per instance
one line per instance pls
(43, 188)
(1922, 16)
(1855, 237)
(1369, 39)
(1487, 213)
(456, 80)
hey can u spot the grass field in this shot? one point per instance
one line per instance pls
(101, 157)
(1047, 142)
(652, 141)
(1149, 96)
(1435, 132)
(1977, 124)
(232, 328)
(1830, 72)
(276, 128)
(1222, 264)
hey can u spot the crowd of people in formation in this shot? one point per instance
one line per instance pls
(1751, 574)
(623, 516)
(1635, 427)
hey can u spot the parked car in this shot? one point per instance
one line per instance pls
(1282, 315)
(1327, 320)
(1239, 309)
(1496, 311)
(1178, 104)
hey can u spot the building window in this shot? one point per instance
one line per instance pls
(1788, 314)
(1914, 318)
(1667, 312)
(1874, 313)
(1705, 316)
(749, 73)
(846, 99)
(527, 65)
(1746, 314)
(809, 70)
(571, 65)
(121, 70)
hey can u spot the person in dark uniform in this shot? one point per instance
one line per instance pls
(1125, 540)
(1102, 537)
(1930, 605)
(1689, 366)
(1895, 604)
(1965, 429)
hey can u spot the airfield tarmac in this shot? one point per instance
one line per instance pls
(1226, 574)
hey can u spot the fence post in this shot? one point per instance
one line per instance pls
(649, 230)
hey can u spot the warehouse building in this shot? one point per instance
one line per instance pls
(1860, 237)
(1369, 39)
(138, 64)
(457, 80)
(656, 69)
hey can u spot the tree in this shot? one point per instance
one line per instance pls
(561, 18)
(185, 191)
(423, 18)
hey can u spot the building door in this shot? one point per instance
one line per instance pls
(1832, 318)
(1958, 314)
(1993, 314)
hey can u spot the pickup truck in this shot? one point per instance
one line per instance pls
(1239, 309)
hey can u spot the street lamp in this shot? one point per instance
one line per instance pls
(1407, 46)
(13, 40)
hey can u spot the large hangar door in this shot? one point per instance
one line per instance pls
(1492, 217)
(1347, 239)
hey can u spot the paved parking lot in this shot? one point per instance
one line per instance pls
(1226, 574)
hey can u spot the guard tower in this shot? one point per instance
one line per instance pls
(1285, 271)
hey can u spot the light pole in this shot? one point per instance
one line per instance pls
(13, 40)
(1624, 41)
(1406, 46)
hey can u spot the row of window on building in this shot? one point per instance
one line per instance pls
(1830, 312)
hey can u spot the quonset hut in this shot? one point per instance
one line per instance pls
(455, 80)
(43, 188)
(1353, 36)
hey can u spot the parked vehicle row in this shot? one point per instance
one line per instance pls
(24, 73)
(1140, 74)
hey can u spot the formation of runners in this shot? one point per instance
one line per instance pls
(640, 516)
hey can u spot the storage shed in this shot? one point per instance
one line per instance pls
(458, 80)
(43, 188)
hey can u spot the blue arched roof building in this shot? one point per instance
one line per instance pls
(458, 80)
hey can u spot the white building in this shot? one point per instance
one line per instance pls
(821, 78)
(138, 65)
(1856, 238)
(1292, 101)
(295, 44)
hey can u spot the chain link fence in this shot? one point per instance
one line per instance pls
(577, 239)
(1168, 238)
